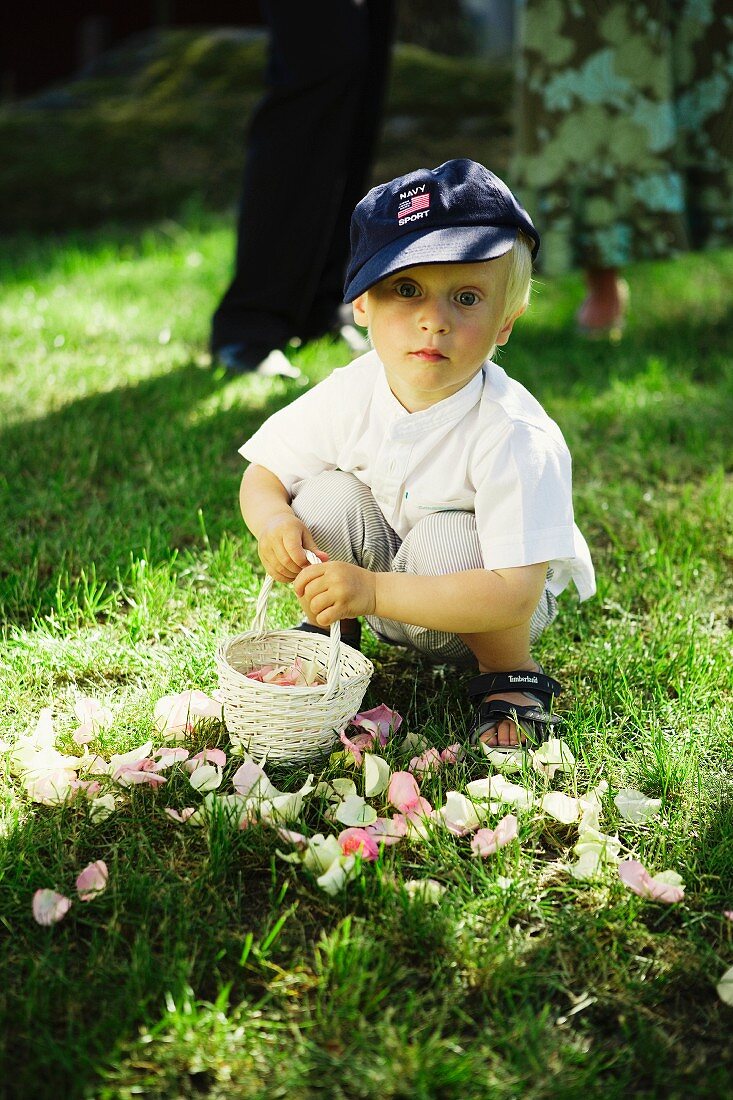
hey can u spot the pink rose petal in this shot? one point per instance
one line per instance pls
(246, 778)
(452, 754)
(206, 756)
(634, 875)
(428, 761)
(487, 841)
(50, 907)
(84, 734)
(178, 713)
(728, 914)
(357, 745)
(92, 880)
(403, 791)
(181, 817)
(128, 777)
(358, 842)
(290, 836)
(388, 830)
(381, 721)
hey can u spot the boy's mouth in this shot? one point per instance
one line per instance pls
(429, 355)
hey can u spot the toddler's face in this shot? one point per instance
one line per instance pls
(433, 325)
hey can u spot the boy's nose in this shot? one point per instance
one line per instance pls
(434, 318)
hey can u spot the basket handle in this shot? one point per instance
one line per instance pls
(259, 627)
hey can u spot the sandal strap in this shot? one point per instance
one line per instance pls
(536, 723)
(532, 683)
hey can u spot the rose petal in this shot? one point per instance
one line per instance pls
(355, 811)
(207, 777)
(555, 753)
(459, 814)
(428, 761)
(206, 756)
(511, 793)
(175, 714)
(92, 880)
(320, 853)
(91, 712)
(181, 817)
(101, 807)
(356, 745)
(359, 842)
(452, 754)
(388, 830)
(638, 879)
(725, 987)
(377, 773)
(487, 841)
(50, 907)
(337, 875)
(403, 792)
(380, 721)
(635, 806)
(561, 807)
(427, 890)
(84, 734)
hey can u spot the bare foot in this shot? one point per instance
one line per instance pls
(604, 308)
(505, 734)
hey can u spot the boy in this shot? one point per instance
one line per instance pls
(435, 490)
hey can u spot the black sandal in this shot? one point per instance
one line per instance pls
(536, 722)
(353, 638)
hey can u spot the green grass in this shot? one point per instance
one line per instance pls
(211, 968)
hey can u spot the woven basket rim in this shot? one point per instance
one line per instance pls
(312, 642)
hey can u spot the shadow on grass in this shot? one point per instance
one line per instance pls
(133, 471)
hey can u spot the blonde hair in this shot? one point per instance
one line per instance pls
(519, 280)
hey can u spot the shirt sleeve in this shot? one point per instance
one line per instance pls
(302, 439)
(523, 503)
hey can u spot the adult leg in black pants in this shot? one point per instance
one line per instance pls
(310, 148)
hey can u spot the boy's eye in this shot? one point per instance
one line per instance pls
(406, 290)
(468, 298)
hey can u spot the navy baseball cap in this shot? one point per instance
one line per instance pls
(459, 212)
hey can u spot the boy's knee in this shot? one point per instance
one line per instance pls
(334, 488)
(443, 542)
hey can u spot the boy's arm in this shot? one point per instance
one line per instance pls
(470, 602)
(473, 601)
(282, 538)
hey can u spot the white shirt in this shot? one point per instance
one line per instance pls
(490, 449)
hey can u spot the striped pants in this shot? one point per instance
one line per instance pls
(348, 525)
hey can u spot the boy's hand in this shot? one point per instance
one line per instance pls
(335, 590)
(282, 545)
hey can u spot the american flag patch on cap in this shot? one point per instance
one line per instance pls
(413, 206)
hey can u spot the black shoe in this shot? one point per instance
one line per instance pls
(352, 638)
(254, 359)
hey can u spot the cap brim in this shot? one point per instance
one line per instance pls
(461, 244)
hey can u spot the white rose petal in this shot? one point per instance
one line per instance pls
(425, 889)
(321, 852)
(635, 806)
(377, 774)
(207, 777)
(504, 761)
(101, 807)
(561, 807)
(354, 811)
(725, 987)
(337, 875)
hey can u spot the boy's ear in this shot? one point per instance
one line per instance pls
(506, 330)
(360, 313)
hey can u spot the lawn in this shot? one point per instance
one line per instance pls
(211, 966)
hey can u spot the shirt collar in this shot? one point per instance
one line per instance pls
(407, 425)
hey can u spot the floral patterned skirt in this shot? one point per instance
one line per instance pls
(625, 128)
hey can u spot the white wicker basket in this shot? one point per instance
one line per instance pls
(291, 724)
